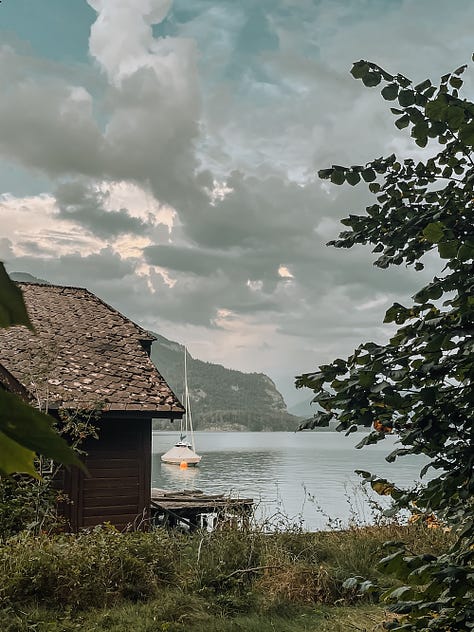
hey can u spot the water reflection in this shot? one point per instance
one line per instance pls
(174, 477)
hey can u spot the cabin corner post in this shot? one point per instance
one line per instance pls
(145, 474)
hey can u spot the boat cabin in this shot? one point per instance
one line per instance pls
(88, 361)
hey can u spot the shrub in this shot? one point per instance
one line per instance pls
(85, 570)
(231, 571)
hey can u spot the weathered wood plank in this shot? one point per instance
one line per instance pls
(112, 500)
(99, 463)
(111, 483)
(120, 521)
(115, 511)
(114, 472)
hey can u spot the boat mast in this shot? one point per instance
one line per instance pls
(183, 428)
(189, 418)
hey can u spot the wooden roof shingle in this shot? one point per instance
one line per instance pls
(83, 354)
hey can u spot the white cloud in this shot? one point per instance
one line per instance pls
(284, 272)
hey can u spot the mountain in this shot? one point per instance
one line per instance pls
(303, 408)
(222, 399)
(26, 277)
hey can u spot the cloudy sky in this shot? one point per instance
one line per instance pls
(163, 154)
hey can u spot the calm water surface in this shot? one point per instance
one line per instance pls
(304, 476)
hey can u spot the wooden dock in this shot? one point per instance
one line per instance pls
(193, 509)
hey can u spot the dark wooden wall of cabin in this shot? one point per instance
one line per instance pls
(118, 487)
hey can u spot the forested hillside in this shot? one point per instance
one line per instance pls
(222, 398)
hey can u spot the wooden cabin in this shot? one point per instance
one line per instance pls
(85, 357)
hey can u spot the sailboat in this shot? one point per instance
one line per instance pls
(183, 453)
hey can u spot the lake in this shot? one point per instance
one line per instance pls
(303, 478)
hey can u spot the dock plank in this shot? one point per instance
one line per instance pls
(186, 506)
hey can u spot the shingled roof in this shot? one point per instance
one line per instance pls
(83, 354)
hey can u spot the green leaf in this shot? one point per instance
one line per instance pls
(437, 108)
(403, 81)
(396, 313)
(374, 187)
(390, 92)
(370, 439)
(456, 82)
(402, 122)
(12, 306)
(421, 575)
(465, 252)
(430, 92)
(360, 69)
(447, 172)
(371, 79)
(367, 378)
(33, 430)
(398, 594)
(460, 70)
(434, 232)
(338, 176)
(352, 177)
(455, 116)
(448, 249)
(15, 458)
(424, 85)
(406, 98)
(428, 395)
(392, 563)
(466, 134)
(324, 174)
(421, 141)
(369, 175)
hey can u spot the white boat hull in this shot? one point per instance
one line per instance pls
(181, 454)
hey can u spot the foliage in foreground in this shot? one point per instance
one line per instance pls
(419, 385)
(173, 579)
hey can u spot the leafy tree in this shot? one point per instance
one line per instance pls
(24, 430)
(418, 385)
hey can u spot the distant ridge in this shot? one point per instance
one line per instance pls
(26, 277)
(303, 408)
(221, 398)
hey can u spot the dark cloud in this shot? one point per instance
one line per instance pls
(47, 123)
(191, 260)
(75, 269)
(84, 205)
(35, 249)
(6, 251)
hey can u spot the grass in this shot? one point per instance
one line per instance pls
(223, 581)
(163, 615)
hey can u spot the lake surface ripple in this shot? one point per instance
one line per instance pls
(300, 478)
